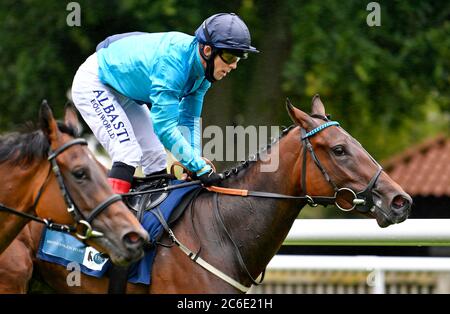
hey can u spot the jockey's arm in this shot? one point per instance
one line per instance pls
(166, 116)
(190, 117)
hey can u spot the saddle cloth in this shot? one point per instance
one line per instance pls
(64, 249)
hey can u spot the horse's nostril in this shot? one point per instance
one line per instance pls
(399, 202)
(133, 238)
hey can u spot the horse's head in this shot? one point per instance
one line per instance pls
(337, 164)
(79, 184)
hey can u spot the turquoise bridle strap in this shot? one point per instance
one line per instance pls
(320, 128)
(307, 146)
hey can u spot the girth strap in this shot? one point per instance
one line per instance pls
(195, 257)
(238, 252)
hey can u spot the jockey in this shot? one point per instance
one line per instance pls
(143, 92)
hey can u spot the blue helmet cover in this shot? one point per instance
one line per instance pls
(225, 31)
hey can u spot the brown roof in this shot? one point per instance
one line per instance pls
(423, 170)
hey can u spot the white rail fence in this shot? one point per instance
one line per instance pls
(412, 232)
(361, 274)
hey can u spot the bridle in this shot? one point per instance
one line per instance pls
(362, 200)
(86, 231)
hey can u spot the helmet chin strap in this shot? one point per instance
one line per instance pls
(209, 71)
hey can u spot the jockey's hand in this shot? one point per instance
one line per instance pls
(210, 178)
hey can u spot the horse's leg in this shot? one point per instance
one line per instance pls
(16, 264)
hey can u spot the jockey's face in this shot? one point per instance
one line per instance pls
(221, 69)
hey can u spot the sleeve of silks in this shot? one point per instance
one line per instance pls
(176, 121)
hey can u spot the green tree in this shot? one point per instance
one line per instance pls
(387, 84)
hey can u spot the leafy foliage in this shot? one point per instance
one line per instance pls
(386, 84)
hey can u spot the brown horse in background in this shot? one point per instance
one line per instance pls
(38, 168)
(240, 235)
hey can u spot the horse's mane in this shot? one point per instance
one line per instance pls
(27, 145)
(255, 157)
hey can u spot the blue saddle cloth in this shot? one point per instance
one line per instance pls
(64, 249)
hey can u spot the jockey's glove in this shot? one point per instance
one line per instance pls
(210, 178)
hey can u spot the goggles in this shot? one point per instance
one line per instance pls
(230, 57)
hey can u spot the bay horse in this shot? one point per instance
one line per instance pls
(238, 236)
(51, 174)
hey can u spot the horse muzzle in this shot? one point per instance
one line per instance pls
(391, 211)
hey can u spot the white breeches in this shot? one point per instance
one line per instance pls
(122, 126)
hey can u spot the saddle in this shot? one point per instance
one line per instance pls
(147, 201)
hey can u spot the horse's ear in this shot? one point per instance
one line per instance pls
(298, 116)
(71, 118)
(48, 122)
(317, 106)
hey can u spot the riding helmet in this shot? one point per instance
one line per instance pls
(223, 31)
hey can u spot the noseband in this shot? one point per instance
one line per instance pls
(362, 201)
(86, 231)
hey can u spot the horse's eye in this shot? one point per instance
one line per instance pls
(339, 150)
(79, 174)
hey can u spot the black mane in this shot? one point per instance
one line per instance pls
(254, 158)
(24, 147)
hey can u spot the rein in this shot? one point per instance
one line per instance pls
(76, 213)
(49, 224)
(361, 198)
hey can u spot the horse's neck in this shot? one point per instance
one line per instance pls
(260, 225)
(19, 189)
(276, 171)
(20, 184)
